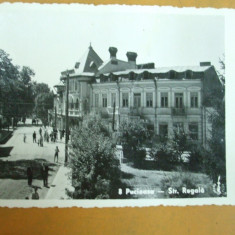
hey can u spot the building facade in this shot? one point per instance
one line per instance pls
(168, 98)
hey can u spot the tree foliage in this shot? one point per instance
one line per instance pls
(18, 92)
(95, 169)
(135, 136)
(215, 162)
(43, 102)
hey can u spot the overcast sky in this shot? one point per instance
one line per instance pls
(51, 38)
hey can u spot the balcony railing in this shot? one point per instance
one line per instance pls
(178, 111)
(135, 110)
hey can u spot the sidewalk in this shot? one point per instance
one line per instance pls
(59, 184)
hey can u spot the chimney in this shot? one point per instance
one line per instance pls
(205, 63)
(113, 52)
(131, 56)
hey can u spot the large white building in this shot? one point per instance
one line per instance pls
(167, 98)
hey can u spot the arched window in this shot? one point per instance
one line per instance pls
(72, 106)
(189, 74)
(172, 74)
(146, 75)
(77, 104)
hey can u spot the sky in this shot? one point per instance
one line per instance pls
(51, 38)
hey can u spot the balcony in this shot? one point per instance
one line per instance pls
(178, 111)
(74, 113)
(136, 111)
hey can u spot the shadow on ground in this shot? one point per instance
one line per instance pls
(126, 175)
(5, 136)
(18, 169)
(5, 151)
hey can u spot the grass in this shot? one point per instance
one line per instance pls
(160, 181)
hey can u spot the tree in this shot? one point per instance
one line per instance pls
(15, 94)
(43, 102)
(39, 88)
(95, 169)
(215, 163)
(26, 75)
(135, 136)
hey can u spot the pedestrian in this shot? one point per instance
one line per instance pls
(43, 172)
(56, 153)
(46, 175)
(29, 175)
(40, 131)
(24, 138)
(35, 195)
(60, 134)
(55, 136)
(41, 141)
(51, 135)
(34, 137)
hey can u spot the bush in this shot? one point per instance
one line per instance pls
(95, 170)
(196, 159)
(164, 157)
(139, 158)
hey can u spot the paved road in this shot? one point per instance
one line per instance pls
(18, 189)
(30, 150)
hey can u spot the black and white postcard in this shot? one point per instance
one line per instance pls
(116, 106)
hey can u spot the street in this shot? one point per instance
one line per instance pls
(13, 177)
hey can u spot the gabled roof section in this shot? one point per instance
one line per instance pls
(115, 65)
(89, 62)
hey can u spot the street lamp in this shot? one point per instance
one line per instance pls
(67, 118)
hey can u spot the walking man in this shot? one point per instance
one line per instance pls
(56, 153)
(41, 141)
(43, 172)
(46, 175)
(29, 176)
(24, 138)
(34, 137)
(40, 131)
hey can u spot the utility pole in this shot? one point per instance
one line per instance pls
(55, 118)
(114, 115)
(67, 118)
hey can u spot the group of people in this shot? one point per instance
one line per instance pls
(44, 174)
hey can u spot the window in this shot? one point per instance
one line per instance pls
(104, 99)
(178, 127)
(179, 100)
(164, 99)
(137, 100)
(77, 104)
(125, 99)
(163, 131)
(193, 131)
(96, 100)
(149, 99)
(76, 85)
(194, 100)
(113, 99)
(71, 104)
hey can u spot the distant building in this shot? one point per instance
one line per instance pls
(167, 98)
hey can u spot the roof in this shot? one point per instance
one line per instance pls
(60, 84)
(89, 58)
(177, 69)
